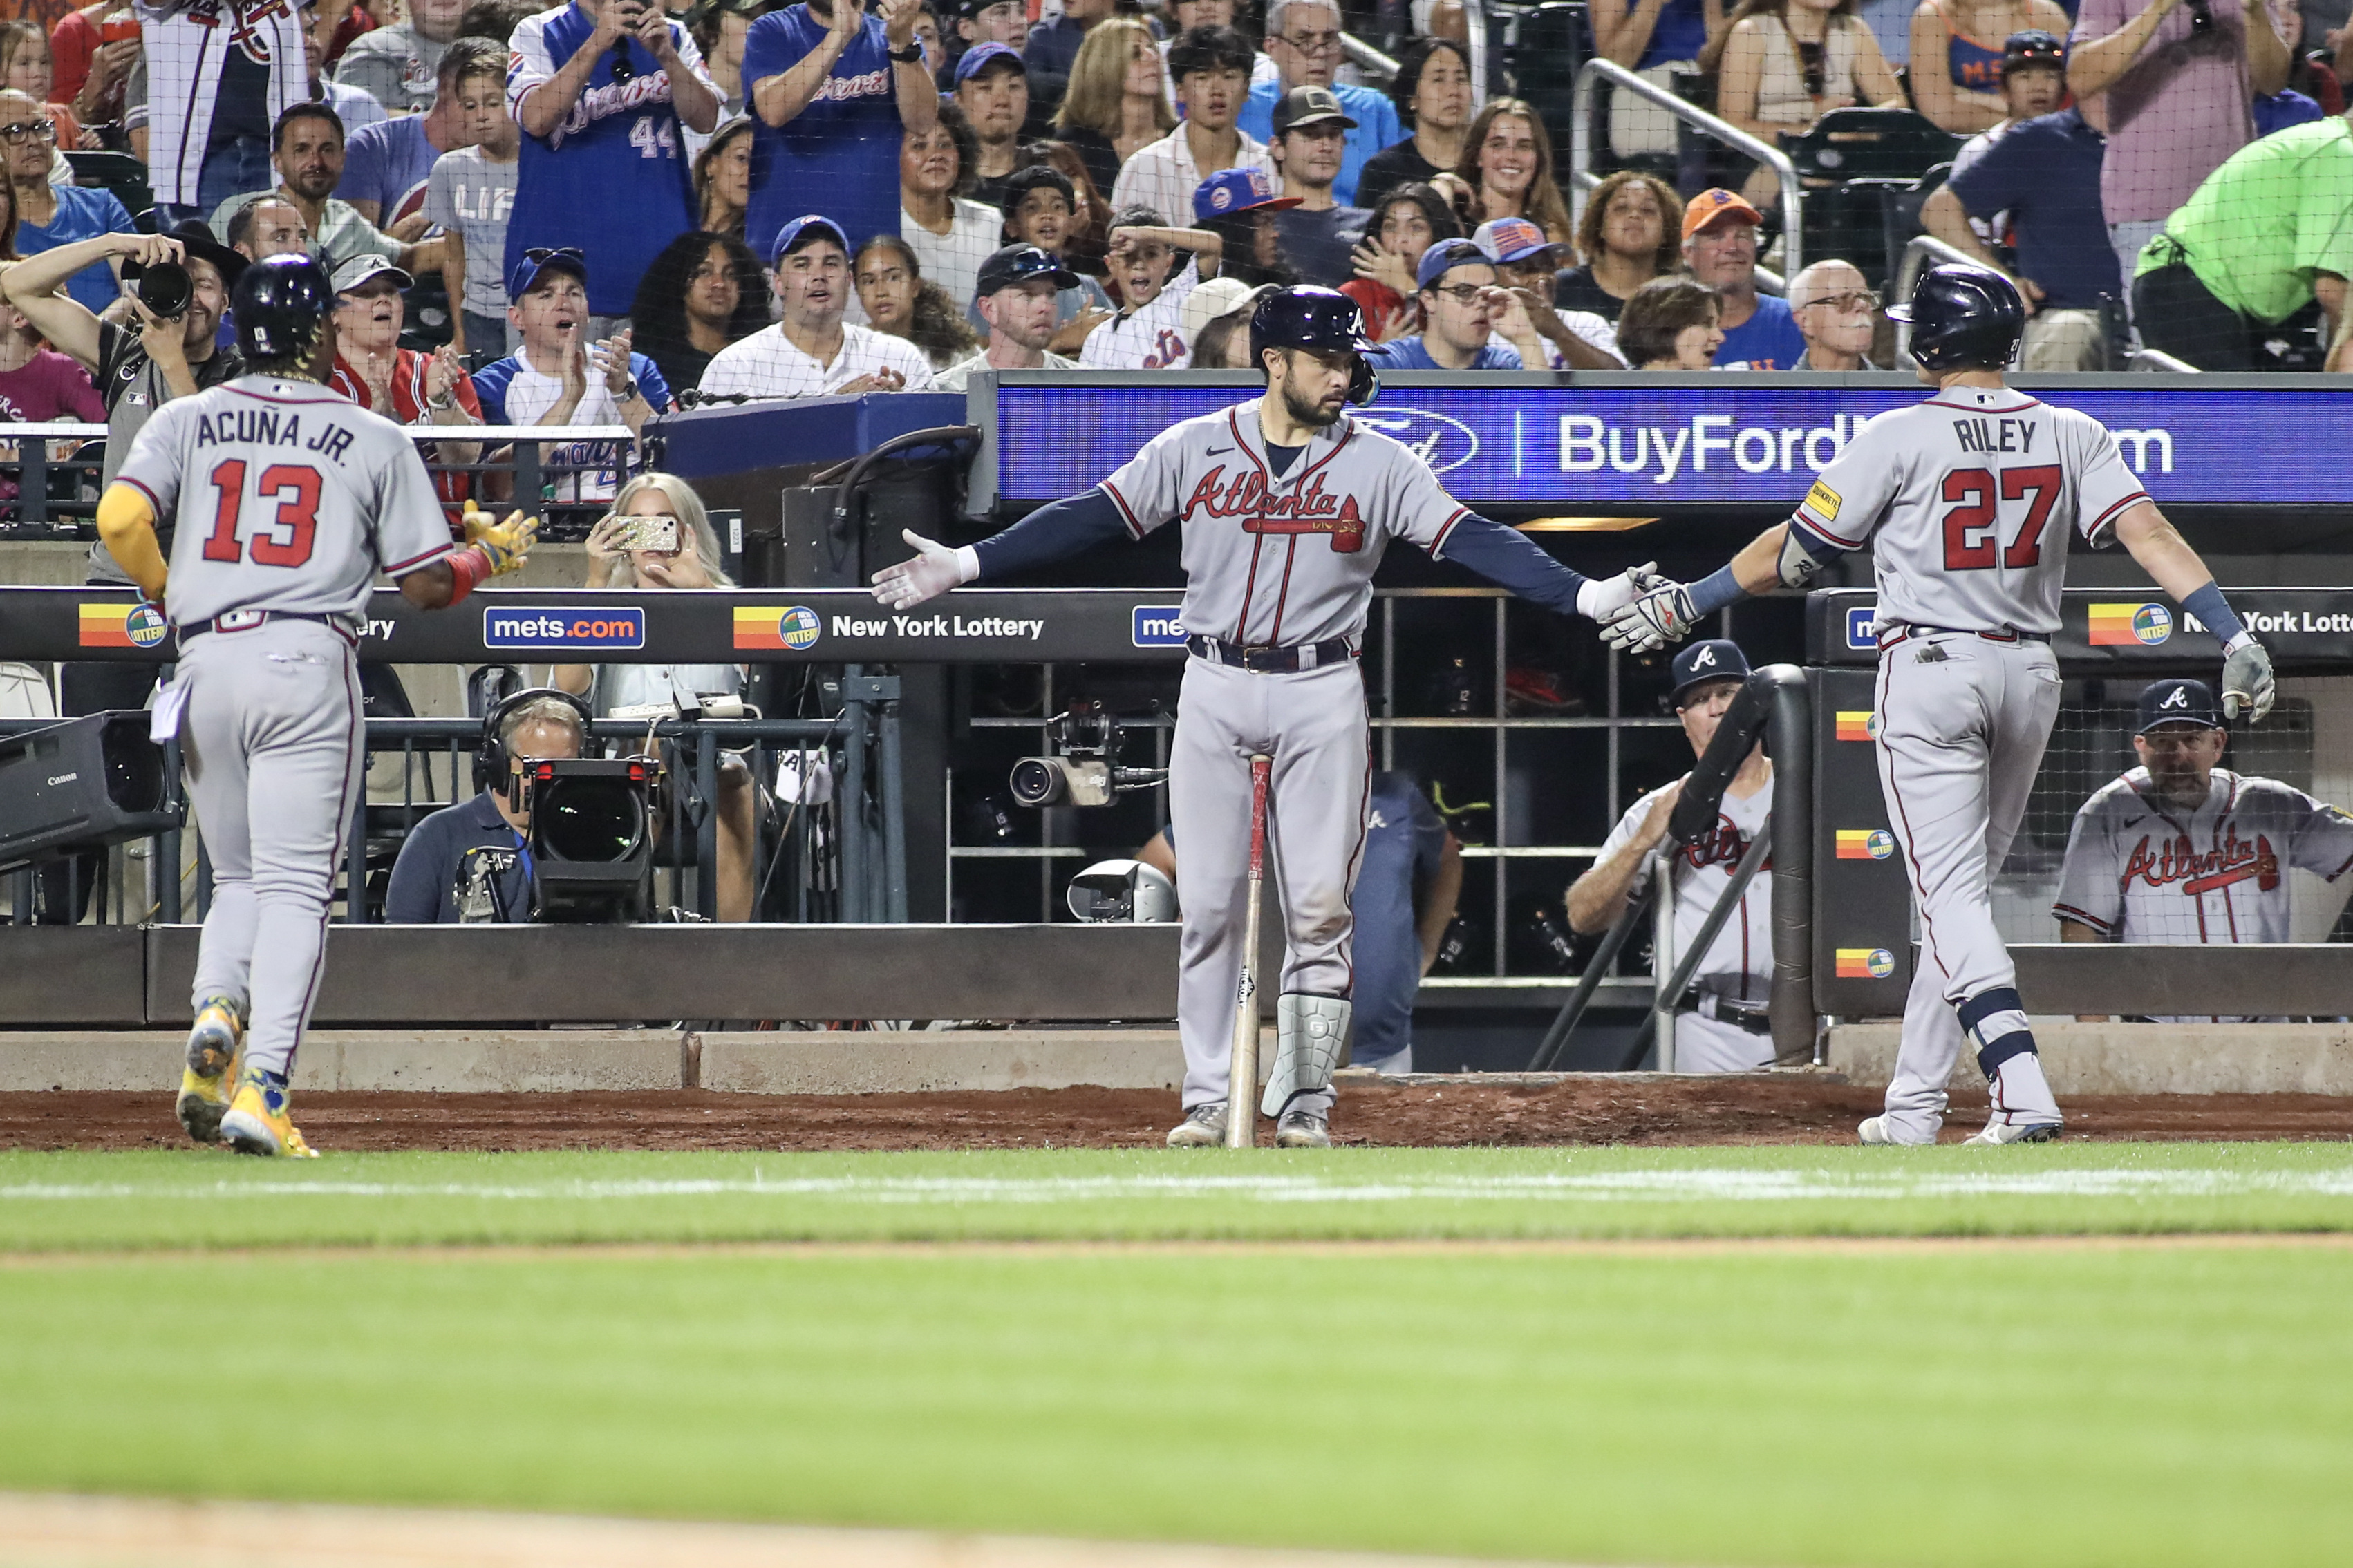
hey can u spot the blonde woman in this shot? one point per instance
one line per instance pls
(695, 564)
(1118, 100)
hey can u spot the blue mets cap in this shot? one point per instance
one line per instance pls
(1232, 191)
(789, 236)
(538, 261)
(1715, 660)
(977, 58)
(2177, 703)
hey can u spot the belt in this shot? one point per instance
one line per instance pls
(1262, 660)
(1897, 633)
(1749, 1016)
(247, 620)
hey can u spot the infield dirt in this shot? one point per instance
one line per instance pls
(1641, 1110)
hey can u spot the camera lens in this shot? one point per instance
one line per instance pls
(592, 820)
(165, 289)
(1037, 781)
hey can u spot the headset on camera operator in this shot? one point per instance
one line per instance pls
(471, 863)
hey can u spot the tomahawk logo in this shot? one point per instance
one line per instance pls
(2178, 698)
(1704, 659)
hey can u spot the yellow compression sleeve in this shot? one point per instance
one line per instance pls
(126, 522)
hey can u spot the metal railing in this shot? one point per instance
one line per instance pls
(1926, 250)
(511, 469)
(1376, 67)
(1581, 156)
(846, 860)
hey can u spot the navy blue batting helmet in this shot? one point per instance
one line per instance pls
(281, 303)
(1963, 318)
(1307, 317)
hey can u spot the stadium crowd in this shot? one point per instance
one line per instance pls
(597, 212)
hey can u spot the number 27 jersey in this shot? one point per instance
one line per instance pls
(288, 498)
(1966, 499)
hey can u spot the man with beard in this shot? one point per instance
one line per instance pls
(308, 152)
(1288, 504)
(2180, 849)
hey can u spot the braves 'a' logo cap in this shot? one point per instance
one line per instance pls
(2178, 702)
(1714, 660)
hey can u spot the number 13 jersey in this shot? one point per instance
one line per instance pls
(1965, 500)
(288, 498)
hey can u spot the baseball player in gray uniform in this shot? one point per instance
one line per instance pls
(2180, 851)
(1724, 1027)
(294, 500)
(1966, 500)
(1287, 503)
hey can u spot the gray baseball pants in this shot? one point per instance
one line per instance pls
(1313, 724)
(272, 743)
(1962, 724)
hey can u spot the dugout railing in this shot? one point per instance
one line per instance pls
(556, 471)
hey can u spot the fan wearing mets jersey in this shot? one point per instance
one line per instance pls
(1287, 504)
(2179, 851)
(1966, 502)
(290, 500)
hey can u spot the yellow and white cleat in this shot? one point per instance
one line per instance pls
(210, 1069)
(259, 1120)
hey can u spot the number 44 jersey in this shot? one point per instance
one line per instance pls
(1964, 501)
(287, 498)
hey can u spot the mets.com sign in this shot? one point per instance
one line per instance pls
(1745, 442)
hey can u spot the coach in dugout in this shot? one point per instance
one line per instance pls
(1720, 1024)
(469, 863)
(2179, 851)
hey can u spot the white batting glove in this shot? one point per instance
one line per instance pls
(2247, 680)
(1605, 596)
(1655, 619)
(934, 571)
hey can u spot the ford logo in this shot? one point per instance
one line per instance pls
(1444, 444)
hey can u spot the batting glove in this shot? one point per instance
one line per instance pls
(934, 571)
(2247, 680)
(1607, 595)
(503, 544)
(1655, 619)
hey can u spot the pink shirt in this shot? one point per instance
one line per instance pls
(2179, 111)
(50, 389)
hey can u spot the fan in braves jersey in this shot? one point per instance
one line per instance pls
(2179, 851)
(1723, 1029)
(292, 499)
(1966, 500)
(1288, 504)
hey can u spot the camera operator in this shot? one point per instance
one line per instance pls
(687, 688)
(470, 863)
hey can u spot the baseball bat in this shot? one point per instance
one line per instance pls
(1241, 1084)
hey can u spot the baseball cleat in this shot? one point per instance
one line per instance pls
(260, 1120)
(1881, 1130)
(2017, 1132)
(1302, 1129)
(210, 1068)
(1204, 1127)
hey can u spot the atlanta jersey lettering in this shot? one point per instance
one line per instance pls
(1740, 964)
(288, 498)
(2138, 869)
(1965, 500)
(1288, 558)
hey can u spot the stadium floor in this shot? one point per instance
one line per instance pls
(1794, 1108)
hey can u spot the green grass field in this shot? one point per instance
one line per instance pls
(2031, 1402)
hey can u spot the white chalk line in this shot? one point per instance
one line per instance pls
(1621, 1186)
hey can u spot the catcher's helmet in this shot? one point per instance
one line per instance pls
(1306, 316)
(1963, 318)
(281, 303)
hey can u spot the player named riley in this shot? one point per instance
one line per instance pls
(1965, 500)
(1288, 503)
